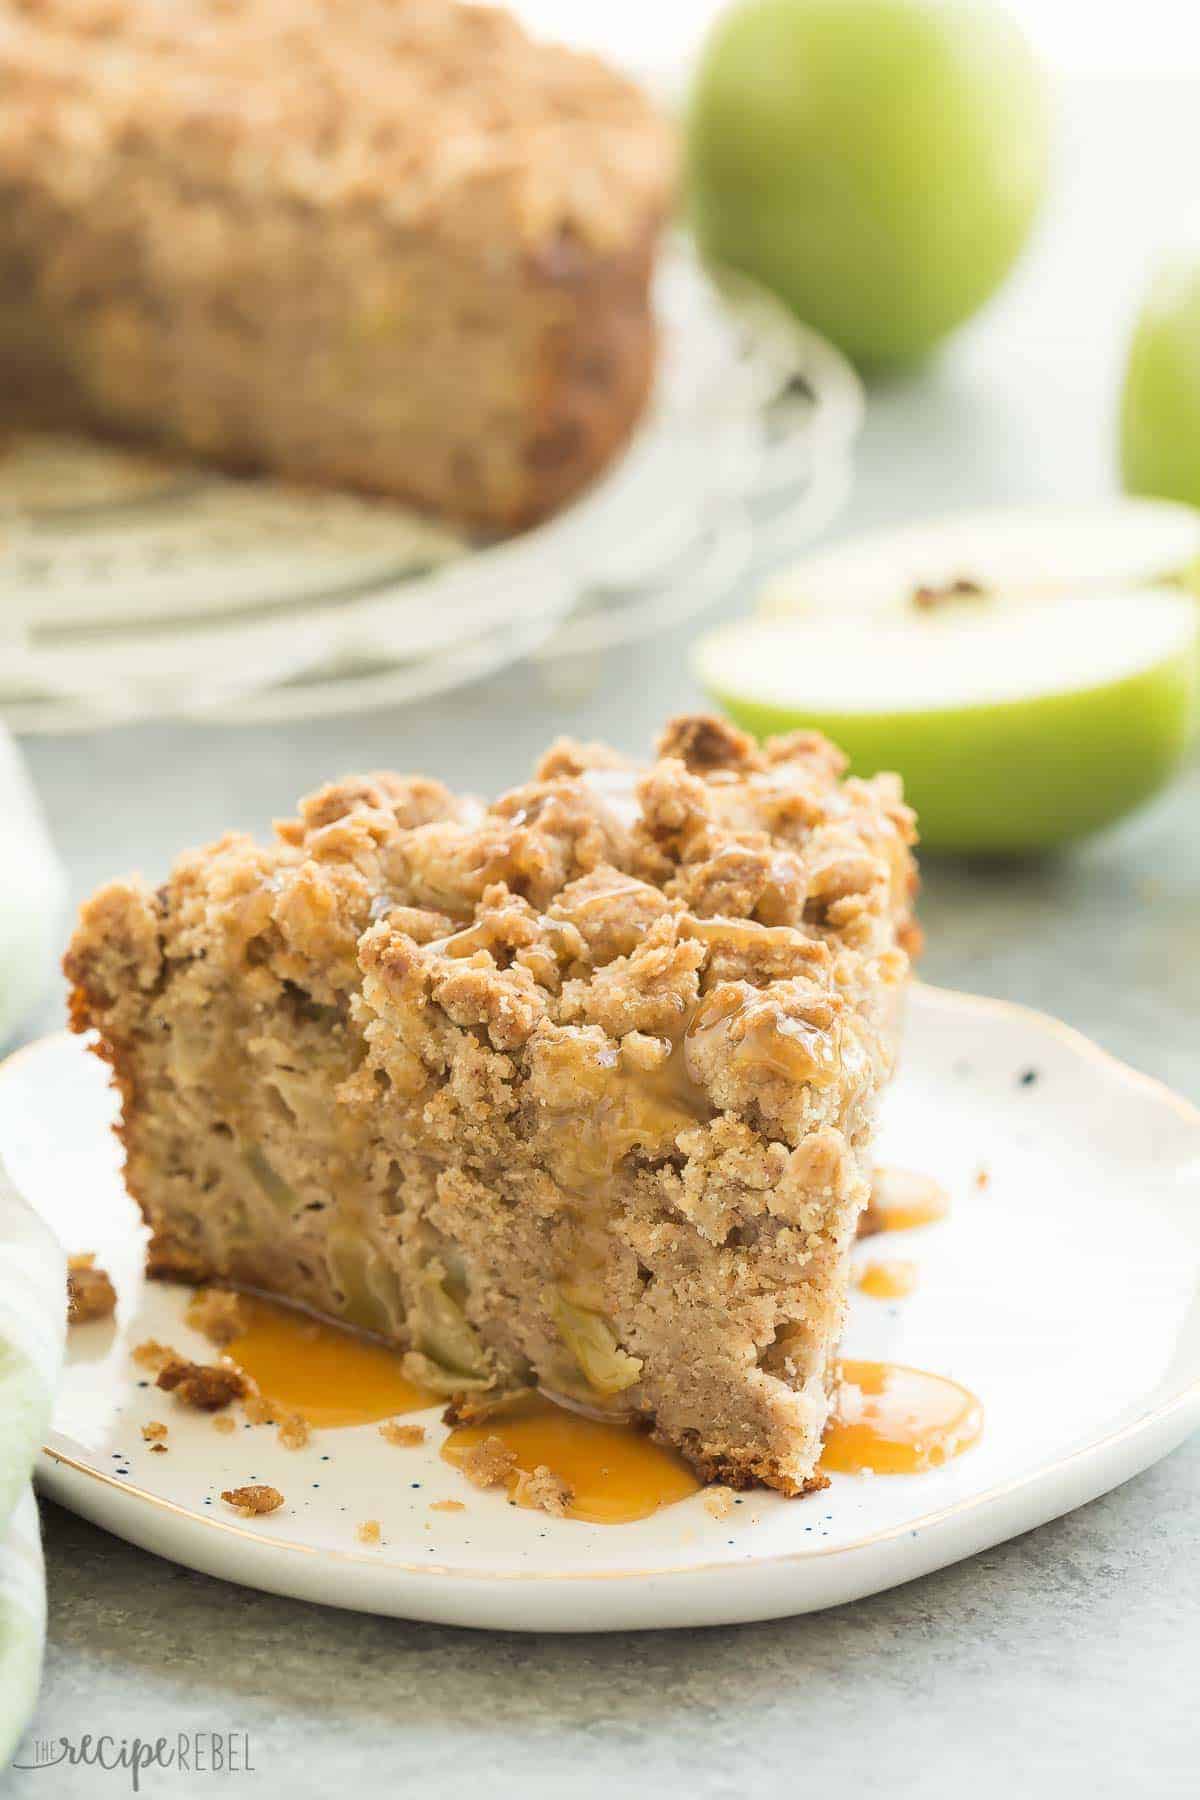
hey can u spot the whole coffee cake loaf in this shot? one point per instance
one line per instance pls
(394, 245)
(574, 1090)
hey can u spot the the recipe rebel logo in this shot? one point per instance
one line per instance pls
(186, 1752)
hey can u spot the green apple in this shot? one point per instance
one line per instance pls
(1023, 705)
(878, 163)
(1160, 404)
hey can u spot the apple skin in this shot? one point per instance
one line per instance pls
(1017, 776)
(1160, 402)
(878, 163)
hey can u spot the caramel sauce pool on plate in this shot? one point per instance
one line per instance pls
(897, 1421)
(901, 1200)
(617, 1473)
(887, 1418)
(886, 1280)
(331, 1375)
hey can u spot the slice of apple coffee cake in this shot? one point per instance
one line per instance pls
(576, 1089)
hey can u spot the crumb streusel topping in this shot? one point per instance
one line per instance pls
(409, 106)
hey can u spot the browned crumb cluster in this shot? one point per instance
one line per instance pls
(544, 1490)
(150, 1354)
(153, 1430)
(489, 1463)
(205, 1386)
(446, 1506)
(257, 1497)
(90, 1292)
(407, 1436)
(575, 1090)
(224, 1424)
(394, 245)
(369, 1531)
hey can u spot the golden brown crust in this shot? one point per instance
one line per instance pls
(744, 1472)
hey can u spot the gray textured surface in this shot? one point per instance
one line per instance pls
(1059, 1661)
(1065, 1659)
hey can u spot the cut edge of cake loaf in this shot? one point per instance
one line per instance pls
(398, 247)
(576, 1089)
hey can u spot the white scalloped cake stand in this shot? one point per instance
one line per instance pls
(134, 588)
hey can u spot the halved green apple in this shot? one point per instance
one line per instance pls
(1026, 553)
(1033, 677)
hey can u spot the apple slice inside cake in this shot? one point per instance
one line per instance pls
(576, 1090)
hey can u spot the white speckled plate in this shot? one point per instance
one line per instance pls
(1063, 1290)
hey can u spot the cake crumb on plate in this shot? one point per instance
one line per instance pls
(544, 1490)
(407, 1435)
(257, 1497)
(205, 1386)
(90, 1292)
(293, 1431)
(488, 1464)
